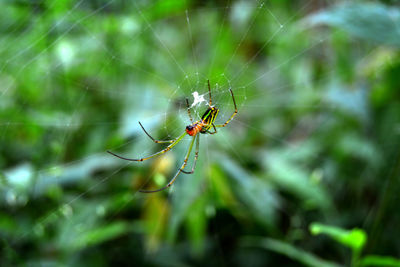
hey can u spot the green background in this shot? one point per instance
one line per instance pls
(306, 174)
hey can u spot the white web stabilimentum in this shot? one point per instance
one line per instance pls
(167, 65)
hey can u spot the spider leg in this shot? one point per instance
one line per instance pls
(188, 110)
(154, 140)
(177, 173)
(196, 155)
(213, 125)
(234, 113)
(177, 140)
(215, 129)
(209, 93)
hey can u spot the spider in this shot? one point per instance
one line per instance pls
(202, 126)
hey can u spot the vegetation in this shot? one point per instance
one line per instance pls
(306, 174)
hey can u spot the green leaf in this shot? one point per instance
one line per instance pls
(196, 224)
(288, 250)
(369, 21)
(100, 234)
(355, 238)
(376, 260)
(294, 178)
(251, 190)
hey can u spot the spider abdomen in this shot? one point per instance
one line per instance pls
(208, 119)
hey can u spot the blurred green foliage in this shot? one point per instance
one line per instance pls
(316, 138)
(354, 239)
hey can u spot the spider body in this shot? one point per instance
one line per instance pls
(202, 126)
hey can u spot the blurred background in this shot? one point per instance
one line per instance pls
(307, 173)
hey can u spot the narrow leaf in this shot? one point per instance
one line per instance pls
(355, 238)
(376, 260)
(288, 250)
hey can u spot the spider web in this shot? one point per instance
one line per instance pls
(163, 60)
